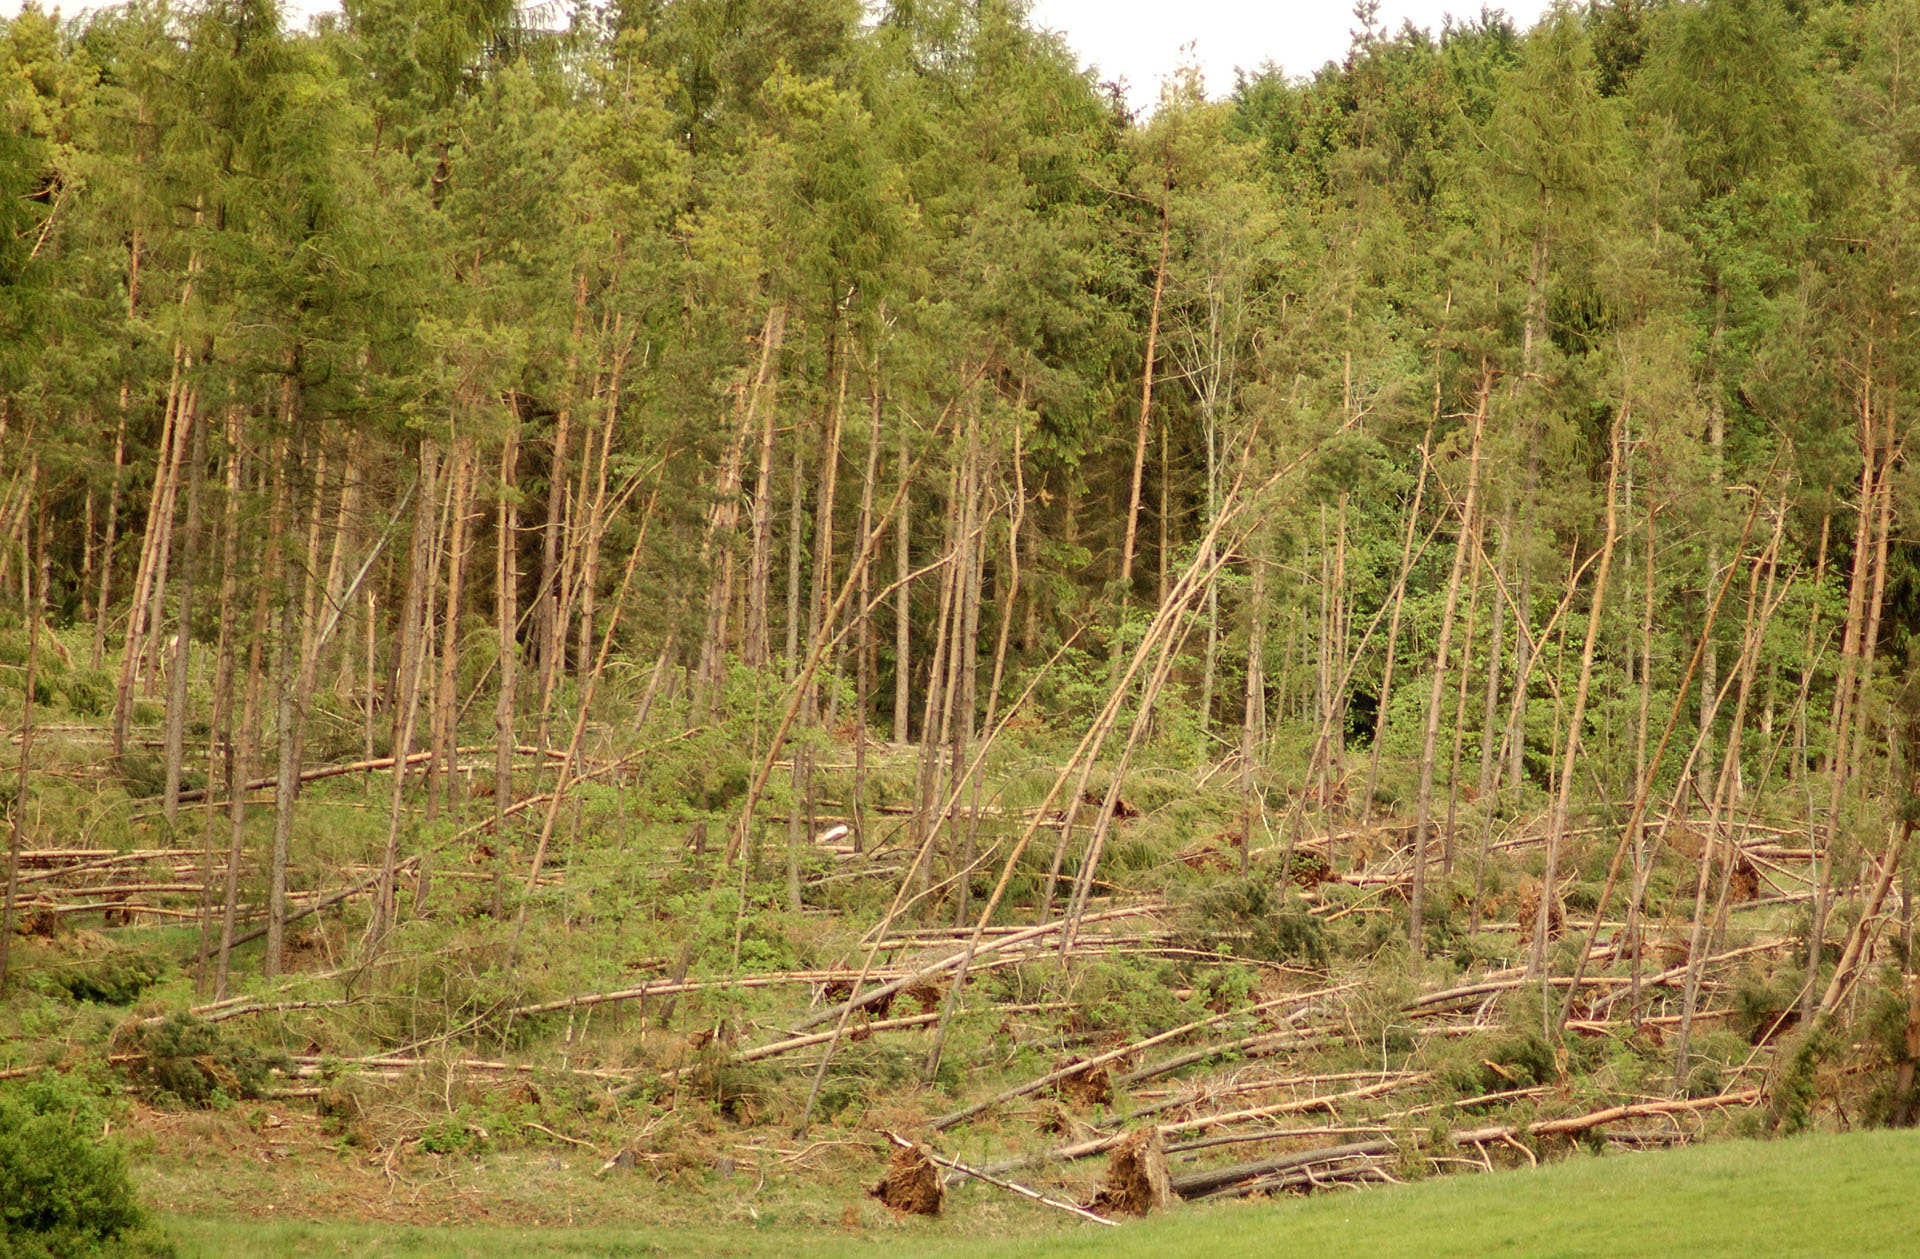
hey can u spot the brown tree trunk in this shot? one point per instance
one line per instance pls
(101, 608)
(756, 644)
(550, 633)
(242, 772)
(903, 602)
(35, 584)
(446, 700)
(1853, 663)
(1255, 699)
(176, 743)
(1398, 600)
(220, 747)
(1557, 824)
(1146, 402)
(297, 661)
(411, 633)
(143, 581)
(1430, 743)
(864, 667)
(506, 607)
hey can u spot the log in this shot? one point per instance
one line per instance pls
(1217, 1180)
(1030, 1194)
(1213, 1180)
(1054, 1077)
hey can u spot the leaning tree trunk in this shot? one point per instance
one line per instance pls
(1431, 740)
(1146, 402)
(176, 743)
(35, 584)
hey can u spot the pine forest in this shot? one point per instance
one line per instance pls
(601, 602)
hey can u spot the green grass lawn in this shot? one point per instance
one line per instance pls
(1841, 1195)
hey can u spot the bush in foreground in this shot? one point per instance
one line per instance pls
(63, 1193)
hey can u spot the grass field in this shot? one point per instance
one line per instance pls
(1823, 1195)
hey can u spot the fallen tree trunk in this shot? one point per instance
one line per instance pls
(1217, 1180)
(1031, 1194)
(1124, 1051)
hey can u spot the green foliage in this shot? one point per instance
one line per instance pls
(89, 692)
(1505, 1060)
(1796, 1085)
(64, 1193)
(1762, 997)
(185, 1061)
(118, 978)
(1251, 917)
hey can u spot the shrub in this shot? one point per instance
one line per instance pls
(186, 1061)
(61, 1192)
(116, 979)
(1514, 1059)
(1253, 918)
(89, 692)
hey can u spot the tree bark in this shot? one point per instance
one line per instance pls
(1430, 743)
(506, 607)
(177, 693)
(1557, 825)
(1146, 402)
(33, 577)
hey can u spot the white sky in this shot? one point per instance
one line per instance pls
(1141, 40)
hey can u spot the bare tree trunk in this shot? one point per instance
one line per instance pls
(938, 705)
(35, 583)
(436, 553)
(823, 513)
(1460, 714)
(1146, 402)
(1807, 654)
(243, 763)
(550, 633)
(1166, 477)
(1557, 824)
(1252, 723)
(1399, 601)
(966, 658)
(1853, 652)
(446, 701)
(1336, 762)
(864, 700)
(411, 631)
(1489, 784)
(796, 529)
(149, 656)
(597, 514)
(1430, 743)
(143, 580)
(1636, 839)
(903, 601)
(756, 645)
(102, 608)
(220, 747)
(296, 661)
(1756, 621)
(506, 605)
(176, 743)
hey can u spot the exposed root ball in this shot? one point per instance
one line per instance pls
(912, 1183)
(1530, 893)
(1136, 1177)
(1089, 1086)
